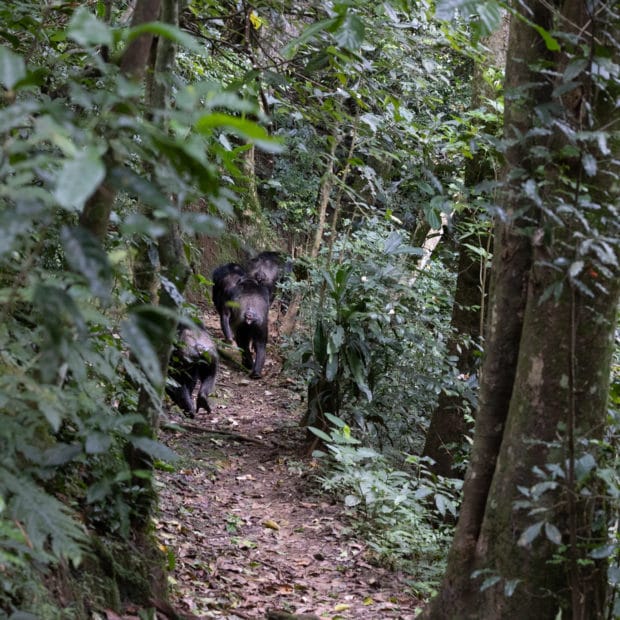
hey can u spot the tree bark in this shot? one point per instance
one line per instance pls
(95, 216)
(325, 189)
(547, 387)
(171, 261)
(448, 426)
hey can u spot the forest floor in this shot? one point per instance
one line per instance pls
(245, 521)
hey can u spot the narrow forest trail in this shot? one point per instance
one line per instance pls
(247, 528)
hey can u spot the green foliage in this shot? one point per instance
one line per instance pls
(375, 354)
(401, 512)
(596, 487)
(76, 343)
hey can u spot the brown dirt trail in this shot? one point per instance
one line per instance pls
(247, 528)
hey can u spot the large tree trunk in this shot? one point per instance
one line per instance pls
(544, 388)
(448, 426)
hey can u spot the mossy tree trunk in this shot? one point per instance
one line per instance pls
(550, 334)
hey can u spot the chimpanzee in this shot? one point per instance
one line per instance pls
(249, 320)
(193, 360)
(225, 278)
(269, 268)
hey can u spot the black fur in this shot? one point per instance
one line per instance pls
(225, 278)
(193, 360)
(249, 320)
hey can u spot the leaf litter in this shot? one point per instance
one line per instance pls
(247, 533)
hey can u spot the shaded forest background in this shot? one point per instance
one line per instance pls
(389, 149)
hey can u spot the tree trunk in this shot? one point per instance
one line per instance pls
(325, 190)
(448, 426)
(171, 260)
(173, 266)
(96, 213)
(542, 390)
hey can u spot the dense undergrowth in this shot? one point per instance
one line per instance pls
(371, 354)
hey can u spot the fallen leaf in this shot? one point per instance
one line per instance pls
(272, 525)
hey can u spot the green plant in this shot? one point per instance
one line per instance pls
(375, 353)
(79, 365)
(403, 514)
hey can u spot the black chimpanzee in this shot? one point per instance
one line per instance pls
(193, 360)
(249, 320)
(269, 268)
(225, 278)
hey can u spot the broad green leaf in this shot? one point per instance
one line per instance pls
(550, 42)
(320, 434)
(85, 254)
(86, 29)
(603, 552)
(57, 307)
(489, 582)
(422, 492)
(358, 370)
(432, 216)
(530, 534)
(589, 163)
(99, 490)
(335, 420)
(488, 11)
(17, 221)
(350, 33)
(45, 519)
(393, 242)
(575, 268)
(242, 127)
(97, 443)
(374, 121)
(290, 49)
(12, 68)
(78, 179)
(167, 31)
(574, 68)
(126, 180)
(335, 340)
(155, 449)
(319, 343)
(60, 454)
(52, 412)
(510, 586)
(142, 349)
(331, 368)
(553, 534)
(584, 465)
(440, 503)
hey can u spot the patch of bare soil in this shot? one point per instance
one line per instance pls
(249, 531)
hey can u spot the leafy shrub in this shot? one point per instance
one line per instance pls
(401, 512)
(375, 352)
(76, 341)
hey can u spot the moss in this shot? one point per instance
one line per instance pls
(113, 573)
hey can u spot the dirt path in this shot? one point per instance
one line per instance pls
(248, 530)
